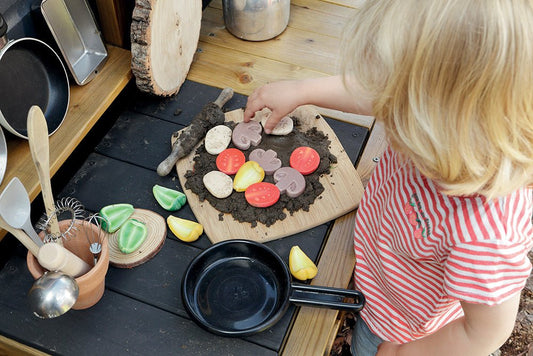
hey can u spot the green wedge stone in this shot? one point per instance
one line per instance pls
(131, 235)
(169, 199)
(115, 215)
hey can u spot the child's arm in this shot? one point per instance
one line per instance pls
(328, 92)
(482, 330)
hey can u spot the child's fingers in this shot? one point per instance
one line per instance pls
(252, 105)
(272, 122)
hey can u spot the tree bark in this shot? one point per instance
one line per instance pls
(164, 37)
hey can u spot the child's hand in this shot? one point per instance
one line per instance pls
(280, 97)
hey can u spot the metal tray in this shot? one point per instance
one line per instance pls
(73, 26)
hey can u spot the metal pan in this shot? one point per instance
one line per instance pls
(73, 26)
(3, 155)
(31, 73)
(241, 287)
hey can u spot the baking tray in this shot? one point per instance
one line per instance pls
(73, 26)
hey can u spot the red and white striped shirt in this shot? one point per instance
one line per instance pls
(419, 252)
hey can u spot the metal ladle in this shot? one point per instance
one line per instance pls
(53, 294)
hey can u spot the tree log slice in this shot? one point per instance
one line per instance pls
(164, 37)
(157, 233)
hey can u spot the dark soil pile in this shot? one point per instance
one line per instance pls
(236, 204)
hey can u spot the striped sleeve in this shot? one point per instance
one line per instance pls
(487, 271)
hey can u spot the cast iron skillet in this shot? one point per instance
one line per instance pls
(240, 287)
(31, 73)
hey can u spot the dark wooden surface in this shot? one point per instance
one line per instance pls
(141, 311)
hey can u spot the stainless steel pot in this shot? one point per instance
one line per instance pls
(256, 20)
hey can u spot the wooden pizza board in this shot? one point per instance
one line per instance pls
(157, 233)
(342, 192)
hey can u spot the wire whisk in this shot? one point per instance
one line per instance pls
(63, 206)
(96, 236)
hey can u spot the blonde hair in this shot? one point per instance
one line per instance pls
(453, 82)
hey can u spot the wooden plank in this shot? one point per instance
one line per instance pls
(335, 269)
(11, 347)
(225, 67)
(112, 21)
(87, 104)
(377, 143)
(310, 50)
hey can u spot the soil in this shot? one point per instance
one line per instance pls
(520, 343)
(236, 204)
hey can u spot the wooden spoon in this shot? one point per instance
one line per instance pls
(38, 140)
(21, 236)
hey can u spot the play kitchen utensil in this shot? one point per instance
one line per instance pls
(73, 27)
(256, 20)
(74, 212)
(15, 209)
(39, 148)
(54, 257)
(95, 236)
(242, 287)
(21, 236)
(31, 73)
(52, 295)
(92, 283)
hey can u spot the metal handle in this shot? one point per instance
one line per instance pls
(326, 297)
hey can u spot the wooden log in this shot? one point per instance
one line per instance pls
(164, 36)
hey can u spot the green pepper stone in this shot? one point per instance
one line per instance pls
(169, 199)
(131, 235)
(115, 215)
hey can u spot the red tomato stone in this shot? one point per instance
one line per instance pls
(230, 160)
(262, 194)
(305, 160)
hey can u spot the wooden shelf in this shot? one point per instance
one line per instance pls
(87, 104)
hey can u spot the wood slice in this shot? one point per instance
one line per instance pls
(157, 233)
(164, 37)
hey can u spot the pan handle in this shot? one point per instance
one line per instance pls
(3, 32)
(326, 297)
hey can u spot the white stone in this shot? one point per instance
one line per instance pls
(219, 184)
(217, 139)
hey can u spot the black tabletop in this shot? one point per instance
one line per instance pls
(141, 311)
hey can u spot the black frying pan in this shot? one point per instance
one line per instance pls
(240, 287)
(31, 73)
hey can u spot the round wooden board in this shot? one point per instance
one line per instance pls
(164, 36)
(157, 233)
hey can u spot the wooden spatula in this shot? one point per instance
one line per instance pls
(39, 148)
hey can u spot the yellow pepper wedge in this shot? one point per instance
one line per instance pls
(249, 173)
(301, 266)
(185, 230)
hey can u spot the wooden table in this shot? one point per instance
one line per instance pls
(308, 48)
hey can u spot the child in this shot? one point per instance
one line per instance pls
(444, 228)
